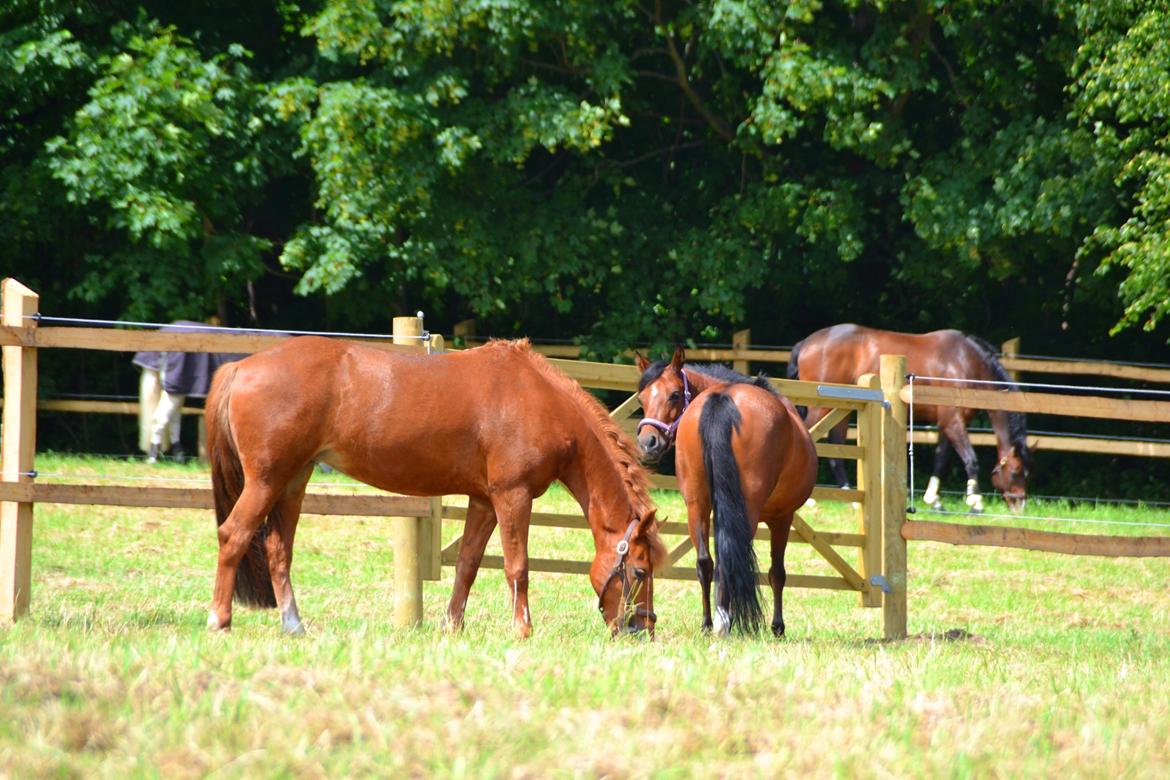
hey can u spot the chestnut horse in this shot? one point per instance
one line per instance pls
(842, 353)
(742, 450)
(498, 423)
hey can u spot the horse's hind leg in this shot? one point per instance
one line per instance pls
(282, 528)
(477, 529)
(942, 456)
(777, 575)
(698, 518)
(837, 436)
(235, 535)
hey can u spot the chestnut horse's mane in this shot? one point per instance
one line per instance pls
(619, 446)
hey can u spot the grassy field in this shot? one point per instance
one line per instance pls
(1019, 664)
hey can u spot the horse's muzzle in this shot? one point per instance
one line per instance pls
(1016, 502)
(653, 446)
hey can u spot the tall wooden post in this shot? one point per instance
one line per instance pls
(893, 378)
(17, 449)
(869, 479)
(741, 339)
(406, 531)
(1010, 349)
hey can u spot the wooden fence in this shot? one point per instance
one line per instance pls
(879, 406)
(878, 575)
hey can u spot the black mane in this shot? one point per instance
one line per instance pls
(1017, 421)
(714, 370)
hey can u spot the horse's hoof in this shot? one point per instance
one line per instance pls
(936, 506)
(975, 510)
(294, 629)
(213, 623)
(722, 625)
(778, 630)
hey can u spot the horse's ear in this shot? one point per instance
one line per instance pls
(676, 362)
(641, 362)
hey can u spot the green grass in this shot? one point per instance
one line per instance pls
(1019, 664)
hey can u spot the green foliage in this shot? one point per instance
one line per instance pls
(616, 172)
(1123, 93)
(170, 150)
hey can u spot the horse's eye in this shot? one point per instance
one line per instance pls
(639, 574)
(675, 396)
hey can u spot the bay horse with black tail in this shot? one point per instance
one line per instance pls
(741, 450)
(843, 353)
(497, 423)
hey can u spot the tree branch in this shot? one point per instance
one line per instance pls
(680, 68)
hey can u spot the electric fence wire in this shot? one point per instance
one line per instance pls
(202, 328)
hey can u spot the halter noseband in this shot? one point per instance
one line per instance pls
(668, 429)
(619, 571)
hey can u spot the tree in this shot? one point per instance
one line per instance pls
(613, 171)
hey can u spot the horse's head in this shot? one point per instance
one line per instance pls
(664, 393)
(623, 575)
(1010, 477)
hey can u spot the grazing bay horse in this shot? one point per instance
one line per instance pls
(497, 423)
(742, 450)
(842, 353)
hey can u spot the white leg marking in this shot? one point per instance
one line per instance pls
(931, 494)
(722, 622)
(212, 621)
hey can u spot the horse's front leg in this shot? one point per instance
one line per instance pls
(477, 529)
(956, 431)
(513, 512)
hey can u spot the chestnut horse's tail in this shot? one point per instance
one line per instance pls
(737, 571)
(253, 581)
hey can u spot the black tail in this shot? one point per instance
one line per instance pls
(794, 373)
(253, 580)
(737, 572)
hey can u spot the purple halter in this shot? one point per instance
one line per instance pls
(669, 429)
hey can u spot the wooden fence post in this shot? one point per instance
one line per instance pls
(406, 531)
(893, 438)
(741, 339)
(17, 451)
(869, 479)
(1010, 349)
